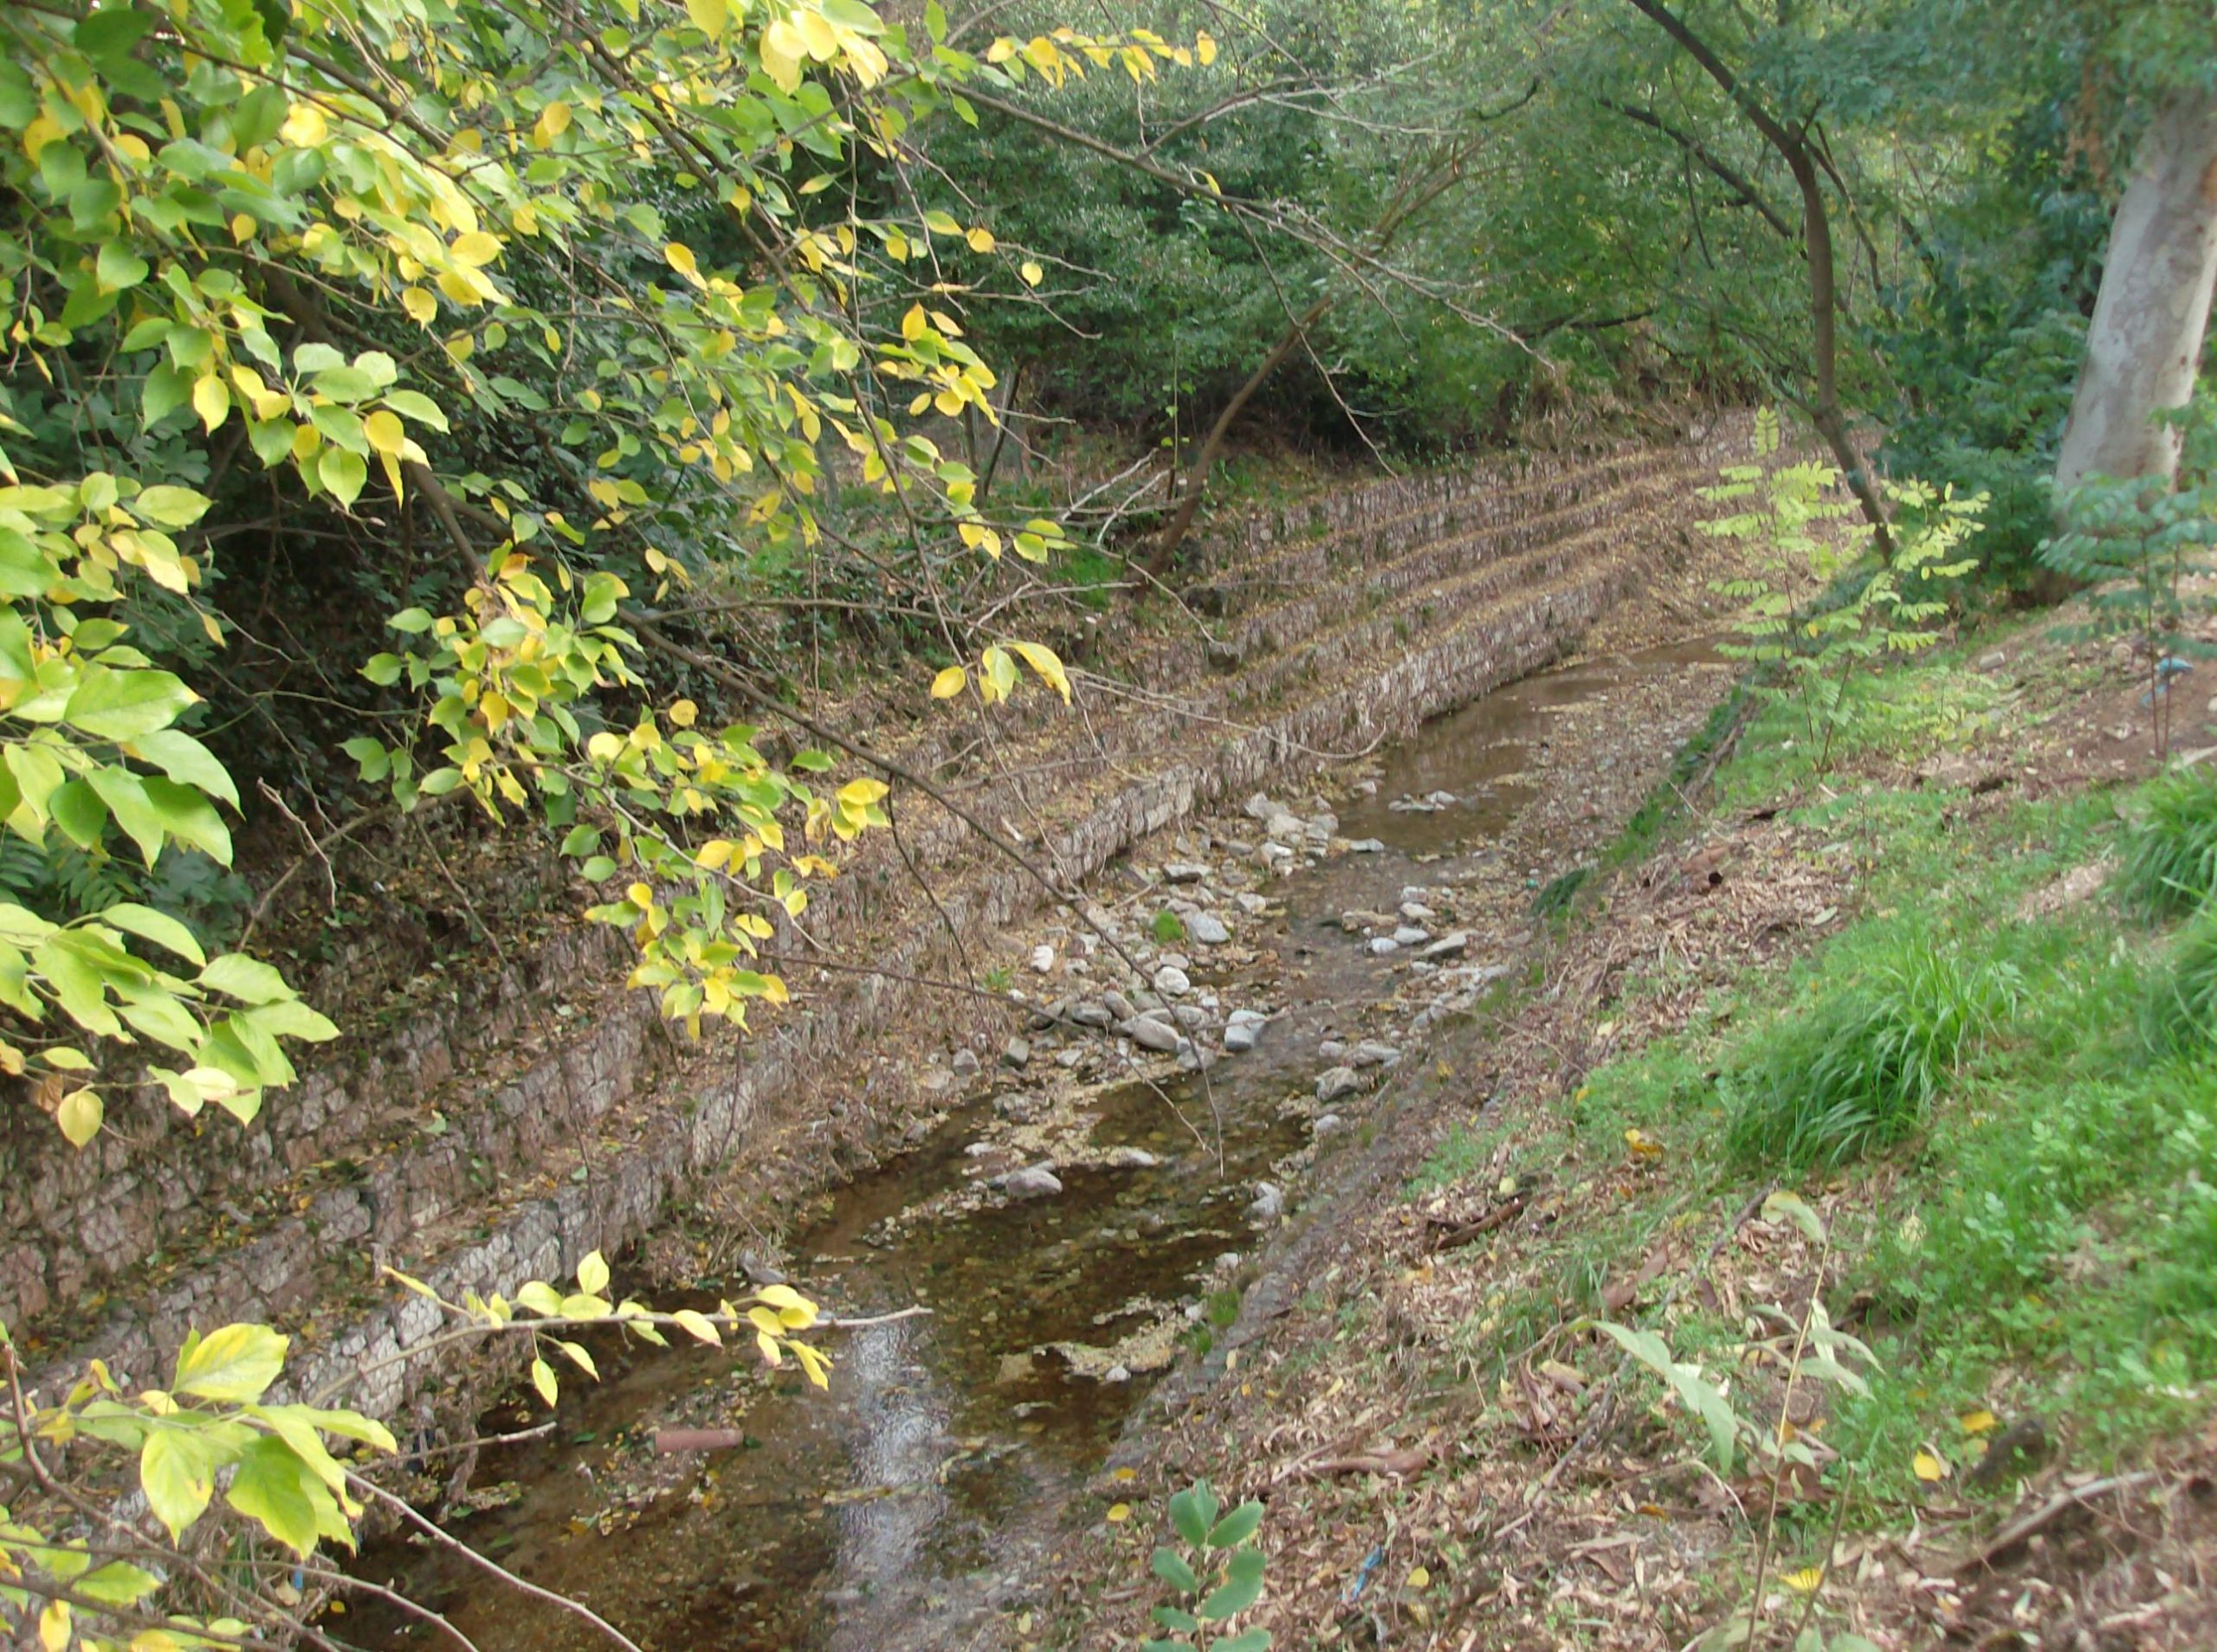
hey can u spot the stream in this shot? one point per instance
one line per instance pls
(899, 1507)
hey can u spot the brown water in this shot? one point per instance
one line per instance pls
(885, 1513)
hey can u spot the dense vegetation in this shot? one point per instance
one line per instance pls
(471, 390)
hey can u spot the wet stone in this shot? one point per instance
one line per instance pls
(1243, 1029)
(1032, 1182)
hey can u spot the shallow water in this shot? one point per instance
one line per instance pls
(879, 1515)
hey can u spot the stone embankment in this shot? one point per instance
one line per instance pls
(511, 1127)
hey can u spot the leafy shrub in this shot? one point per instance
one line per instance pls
(1218, 1575)
(2170, 852)
(1858, 1073)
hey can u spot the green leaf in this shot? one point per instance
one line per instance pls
(177, 1470)
(1192, 1511)
(1236, 1527)
(235, 1364)
(156, 927)
(189, 817)
(171, 507)
(593, 1275)
(1169, 1565)
(272, 1486)
(1242, 1588)
(186, 761)
(126, 795)
(117, 1584)
(414, 405)
(126, 704)
(118, 268)
(78, 811)
(341, 472)
(248, 979)
(542, 1378)
(1173, 1618)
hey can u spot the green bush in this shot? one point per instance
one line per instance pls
(2170, 854)
(1858, 1072)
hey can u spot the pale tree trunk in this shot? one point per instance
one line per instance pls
(2146, 339)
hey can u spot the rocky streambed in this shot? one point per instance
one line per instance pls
(1083, 1212)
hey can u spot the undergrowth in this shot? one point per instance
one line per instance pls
(2013, 1107)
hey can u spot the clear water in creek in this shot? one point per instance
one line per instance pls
(882, 1515)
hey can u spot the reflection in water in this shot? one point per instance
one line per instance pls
(864, 1521)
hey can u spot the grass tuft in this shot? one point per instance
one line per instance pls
(2170, 853)
(1858, 1073)
(2179, 1015)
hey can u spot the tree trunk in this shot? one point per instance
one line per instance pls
(2146, 341)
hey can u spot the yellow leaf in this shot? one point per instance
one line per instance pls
(1979, 1422)
(1927, 1467)
(1119, 1512)
(1642, 1144)
(422, 307)
(782, 51)
(711, 18)
(1123, 1476)
(242, 228)
(474, 249)
(554, 121)
(1205, 47)
(54, 1629)
(980, 241)
(542, 1378)
(682, 712)
(79, 1115)
(1044, 661)
(305, 126)
(949, 682)
(212, 400)
(1032, 273)
(384, 431)
(1419, 1578)
(681, 259)
(698, 1326)
(1804, 1582)
(913, 323)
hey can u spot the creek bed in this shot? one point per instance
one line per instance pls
(889, 1511)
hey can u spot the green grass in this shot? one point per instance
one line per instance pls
(1858, 1070)
(2169, 862)
(2022, 1111)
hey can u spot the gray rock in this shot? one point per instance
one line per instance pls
(1020, 1105)
(1184, 872)
(1175, 961)
(965, 1064)
(1453, 943)
(1439, 799)
(1173, 982)
(1336, 1081)
(1993, 661)
(1071, 1056)
(1043, 958)
(1417, 913)
(1253, 905)
(1370, 1053)
(1016, 1053)
(1411, 935)
(1259, 807)
(1118, 1006)
(1241, 1031)
(1032, 1182)
(1269, 1203)
(1158, 1036)
(1207, 928)
(1195, 1058)
(1116, 1374)
(1327, 1124)
(1190, 1016)
(759, 1272)
(1415, 892)
(1366, 846)
(1092, 1013)
(1131, 1158)
(1381, 945)
(1331, 1050)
